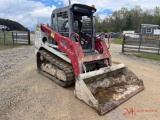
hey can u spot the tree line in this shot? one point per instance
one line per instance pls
(125, 19)
(13, 25)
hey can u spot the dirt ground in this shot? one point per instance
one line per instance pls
(28, 95)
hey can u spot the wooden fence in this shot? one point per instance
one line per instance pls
(140, 43)
(17, 37)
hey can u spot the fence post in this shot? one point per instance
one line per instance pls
(12, 37)
(123, 43)
(4, 40)
(140, 42)
(29, 41)
(159, 47)
(16, 37)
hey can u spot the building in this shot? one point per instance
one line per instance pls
(148, 29)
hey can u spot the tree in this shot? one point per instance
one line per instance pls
(98, 24)
(156, 18)
(129, 22)
(136, 17)
(13, 25)
(125, 19)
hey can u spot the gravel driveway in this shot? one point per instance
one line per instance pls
(27, 95)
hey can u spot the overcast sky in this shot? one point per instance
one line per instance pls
(31, 12)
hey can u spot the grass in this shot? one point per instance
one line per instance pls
(8, 42)
(8, 39)
(148, 56)
(140, 55)
(117, 40)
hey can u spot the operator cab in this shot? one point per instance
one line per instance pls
(75, 19)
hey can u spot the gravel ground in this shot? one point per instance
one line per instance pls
(148, 100)
(25, 94)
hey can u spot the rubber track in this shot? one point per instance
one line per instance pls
(60, 64)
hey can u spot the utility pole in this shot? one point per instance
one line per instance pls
(69, 2)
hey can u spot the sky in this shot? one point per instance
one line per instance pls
(31, 12)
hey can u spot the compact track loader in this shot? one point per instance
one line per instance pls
(68, 52)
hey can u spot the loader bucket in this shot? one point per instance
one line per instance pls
(106, 88)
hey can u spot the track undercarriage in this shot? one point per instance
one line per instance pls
(55, 68)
